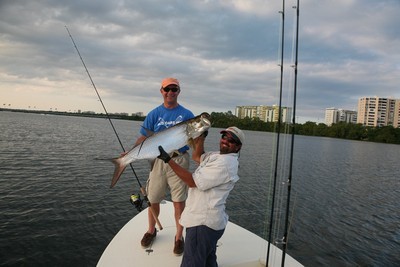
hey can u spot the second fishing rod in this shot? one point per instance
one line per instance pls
(134, 199)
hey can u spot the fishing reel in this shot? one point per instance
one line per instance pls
(137, 202)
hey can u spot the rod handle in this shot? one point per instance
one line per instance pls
(151, 208)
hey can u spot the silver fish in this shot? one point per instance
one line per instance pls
(171, 139)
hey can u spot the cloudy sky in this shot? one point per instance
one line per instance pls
(225, 53)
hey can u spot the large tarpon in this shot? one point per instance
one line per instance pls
(171, 139)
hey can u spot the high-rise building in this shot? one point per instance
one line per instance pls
(349, 116)
(334, 115)
(396, 117)
(330, 116)
(378, 111)
(264, 113)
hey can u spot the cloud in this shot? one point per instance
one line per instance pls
(225, 53)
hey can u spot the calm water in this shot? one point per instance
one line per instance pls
(56, 208)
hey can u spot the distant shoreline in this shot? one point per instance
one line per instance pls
(342, 130)
(78, 114)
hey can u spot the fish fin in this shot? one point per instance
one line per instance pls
(148, 134)
(119, 169)
(141, 145)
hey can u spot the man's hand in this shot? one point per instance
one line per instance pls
(163, 155)
(204, 134)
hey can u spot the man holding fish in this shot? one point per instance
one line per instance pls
(161, 176)
(173, 127)
(204, 216)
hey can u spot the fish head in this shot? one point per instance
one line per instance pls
(198, 125)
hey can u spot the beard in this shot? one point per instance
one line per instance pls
(224, 149)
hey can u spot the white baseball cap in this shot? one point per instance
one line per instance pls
(235, 132)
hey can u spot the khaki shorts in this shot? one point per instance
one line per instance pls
(162, 177)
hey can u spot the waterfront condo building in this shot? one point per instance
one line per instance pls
(396, 118)
(264, 113)
(378, 111)
(334, 115)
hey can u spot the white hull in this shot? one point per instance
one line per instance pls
(237, 247)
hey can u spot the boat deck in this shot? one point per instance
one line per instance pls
(237, 247)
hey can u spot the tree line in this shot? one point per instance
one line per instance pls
(386, 134)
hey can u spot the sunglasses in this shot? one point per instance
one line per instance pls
(174, 89)
(230, 140)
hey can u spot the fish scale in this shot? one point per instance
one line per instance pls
(148, 149)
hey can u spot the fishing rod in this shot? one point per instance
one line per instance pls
(278, 127)
(134, 199)
(285, 236)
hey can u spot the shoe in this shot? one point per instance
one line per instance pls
(148, 239)
(179, 246)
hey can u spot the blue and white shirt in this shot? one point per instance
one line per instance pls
(162, 118)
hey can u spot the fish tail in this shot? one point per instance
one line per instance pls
(119, 169)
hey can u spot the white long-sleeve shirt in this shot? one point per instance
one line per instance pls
(214, 178)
